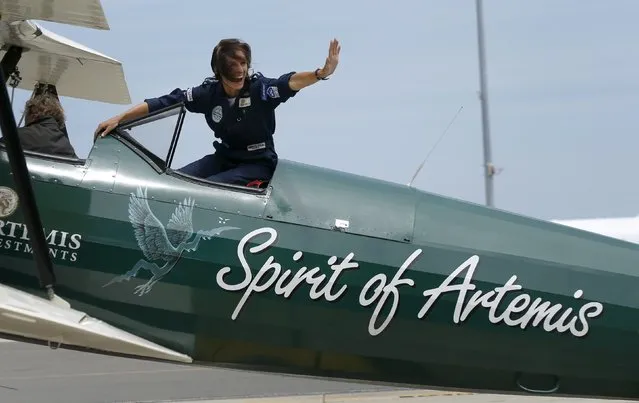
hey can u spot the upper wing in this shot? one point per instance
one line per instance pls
(180, 226)
(82, 13)
(76, 70)
(148, 230)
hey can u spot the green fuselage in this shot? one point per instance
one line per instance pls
(417, 288)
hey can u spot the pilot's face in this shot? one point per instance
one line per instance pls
(235, 70)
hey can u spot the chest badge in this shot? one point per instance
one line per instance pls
(216, 115)
(244, 102)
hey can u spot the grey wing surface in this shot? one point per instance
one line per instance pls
(180, 226)
(148, 230)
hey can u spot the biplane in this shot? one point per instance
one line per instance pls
(316, 272)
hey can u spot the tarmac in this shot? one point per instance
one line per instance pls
(32, 373)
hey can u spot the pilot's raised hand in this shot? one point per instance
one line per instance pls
(332, 60)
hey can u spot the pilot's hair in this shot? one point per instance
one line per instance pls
(224, 51)
(44, 105)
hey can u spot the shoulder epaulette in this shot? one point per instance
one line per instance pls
(210, 80)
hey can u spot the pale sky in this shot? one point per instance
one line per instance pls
(563, 88)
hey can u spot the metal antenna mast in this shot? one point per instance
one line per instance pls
(489, 169)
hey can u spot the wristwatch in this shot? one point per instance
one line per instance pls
(318, 77)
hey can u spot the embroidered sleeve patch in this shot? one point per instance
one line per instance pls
(273, 92)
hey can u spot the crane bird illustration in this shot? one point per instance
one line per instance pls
(158, 243)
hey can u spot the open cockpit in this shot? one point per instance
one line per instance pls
(156, 138)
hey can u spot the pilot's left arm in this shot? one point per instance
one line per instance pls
(301, 80)
(275, 91)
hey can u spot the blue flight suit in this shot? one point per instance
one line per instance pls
(245, 125)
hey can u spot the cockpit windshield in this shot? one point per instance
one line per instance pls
(156, 134)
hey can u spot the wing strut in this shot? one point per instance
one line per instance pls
(23, 184)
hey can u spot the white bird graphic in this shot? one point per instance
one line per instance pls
(157, 243)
